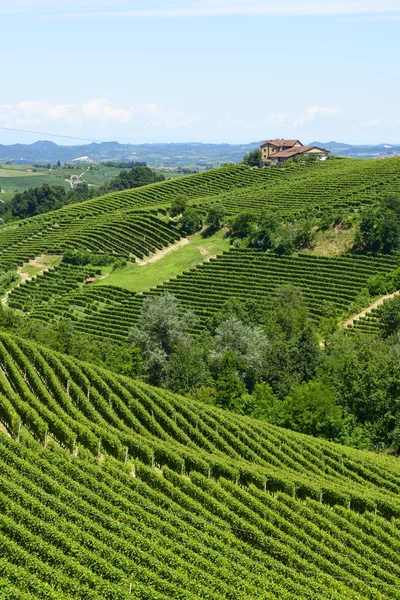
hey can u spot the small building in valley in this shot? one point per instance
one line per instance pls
(279, 151)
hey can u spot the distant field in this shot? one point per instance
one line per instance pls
(15, 178)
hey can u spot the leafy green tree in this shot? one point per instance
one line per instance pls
(178, 206)
(249, 343)
(305, 234)
(289, 311)
(162, 324)
(250, 312)
(190, 221)
(379, 227)
(187, 368)
(389, 317)
(263, 404)
(311, 408)
(215, 216)
(229, 387)
(284, 241)
(264, 234)
(253, 158)
(242, 225)
(132, 178)
(366, 380)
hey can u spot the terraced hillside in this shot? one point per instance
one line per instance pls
(116, 222)
(113, 489)
(245, 274)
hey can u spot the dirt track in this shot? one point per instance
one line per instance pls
(369, 309)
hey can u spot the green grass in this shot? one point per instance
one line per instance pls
(138, 278)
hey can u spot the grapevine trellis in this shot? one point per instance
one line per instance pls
(134, 490)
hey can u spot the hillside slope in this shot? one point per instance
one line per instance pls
(327, 284)
(114, 489)
(116, 223)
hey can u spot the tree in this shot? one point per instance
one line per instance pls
(311, 408)
(190, 222)
(162, 324)
(250, 345)
(215, 216)
(305, 235)
(379, 227)
(389, 317)
(187, 368)
(132, 178)
(178, 206)
(263, 404)
(243, 224)
(262, 237)
(289, 312)
(253, 159)
(229, 387)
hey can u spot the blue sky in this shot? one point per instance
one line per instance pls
(201, 70)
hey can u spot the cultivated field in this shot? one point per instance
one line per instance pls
(111, 488)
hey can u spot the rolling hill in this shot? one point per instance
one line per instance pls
(113, 489)
(112, 223)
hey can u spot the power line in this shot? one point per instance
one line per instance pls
(70, 137)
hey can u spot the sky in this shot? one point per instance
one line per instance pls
(231, 71)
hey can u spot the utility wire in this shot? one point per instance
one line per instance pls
(70, 137)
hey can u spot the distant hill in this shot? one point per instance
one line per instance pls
(153, 154)
(364, 151)
(184, 154)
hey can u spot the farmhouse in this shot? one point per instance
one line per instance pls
(279, 151)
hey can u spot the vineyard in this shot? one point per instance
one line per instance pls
(133, 222)
(328, 284)
(114, 489)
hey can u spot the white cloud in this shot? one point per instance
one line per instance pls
(278, 119)
(316, 111)
(164, 8)
(99, 110)
(372, 122)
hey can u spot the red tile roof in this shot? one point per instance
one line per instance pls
(293, 151)
(280, 143)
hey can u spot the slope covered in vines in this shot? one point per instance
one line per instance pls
(113, 489)
(116, 223)
(326, 283)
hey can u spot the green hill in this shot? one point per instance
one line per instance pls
(108, 311)
(114, 489)
(114, 223)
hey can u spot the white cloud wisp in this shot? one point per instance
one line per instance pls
(99, 111)
(196, 8)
